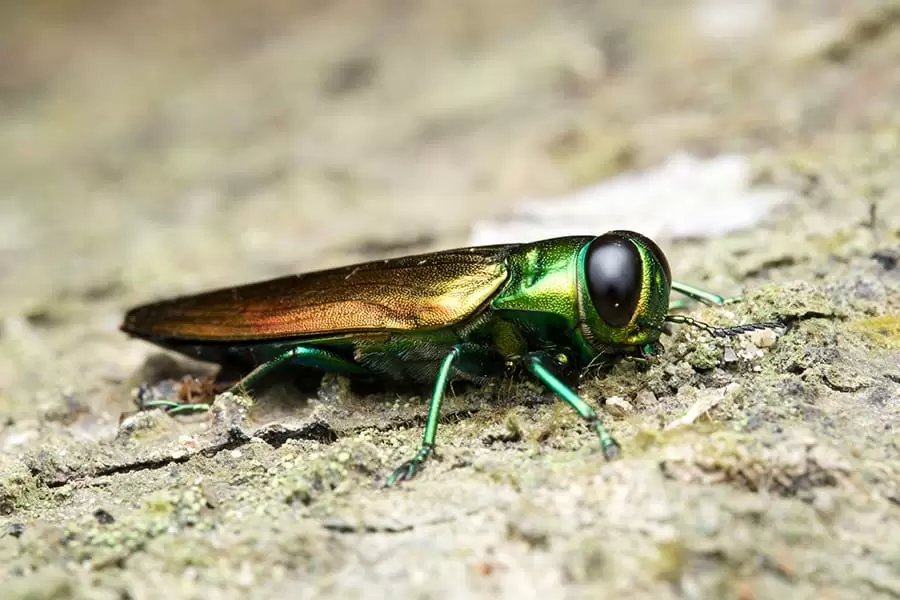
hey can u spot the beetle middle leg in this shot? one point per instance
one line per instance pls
(470, 358)
(410, 468)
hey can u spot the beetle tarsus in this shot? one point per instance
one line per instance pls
(611, 449)
(188, 408)
(174, 408)
(410, 468)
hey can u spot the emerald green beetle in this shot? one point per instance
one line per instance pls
(549, 307)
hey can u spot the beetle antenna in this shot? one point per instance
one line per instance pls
(722, 331)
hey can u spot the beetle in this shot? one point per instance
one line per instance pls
(548, 307)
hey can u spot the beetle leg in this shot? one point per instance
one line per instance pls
(699, 295)
(408, 469)
(535, 363)
(306, 356)
(679, 304)
(147, 397)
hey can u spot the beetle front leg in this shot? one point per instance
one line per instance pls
(700, 295)
(536, 364)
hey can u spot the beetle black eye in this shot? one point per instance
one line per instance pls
(614, 277)
(655, 250)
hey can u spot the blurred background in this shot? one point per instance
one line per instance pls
(153, 148)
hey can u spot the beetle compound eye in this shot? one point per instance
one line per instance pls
(614, 276)
(654, 249)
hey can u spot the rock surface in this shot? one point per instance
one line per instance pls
(158, 148)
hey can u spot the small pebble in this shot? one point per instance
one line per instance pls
(763, 338)
(618, 406)
(824, 503)
(645, 398)
(751, 351)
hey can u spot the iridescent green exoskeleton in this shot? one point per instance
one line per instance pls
(550, 307)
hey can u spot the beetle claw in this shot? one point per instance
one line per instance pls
(409, 469)
(611, 450)
(404, 472)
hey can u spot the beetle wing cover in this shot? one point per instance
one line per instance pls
(412, 292)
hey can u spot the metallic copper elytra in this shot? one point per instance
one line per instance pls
(402, 294)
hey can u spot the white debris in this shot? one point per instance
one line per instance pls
(618, 406)
(684, 197)
(731, 20)
(645, 398)
(707, 400)
(763, 338)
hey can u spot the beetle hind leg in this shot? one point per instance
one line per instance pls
(305, 356)
(176, 396)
